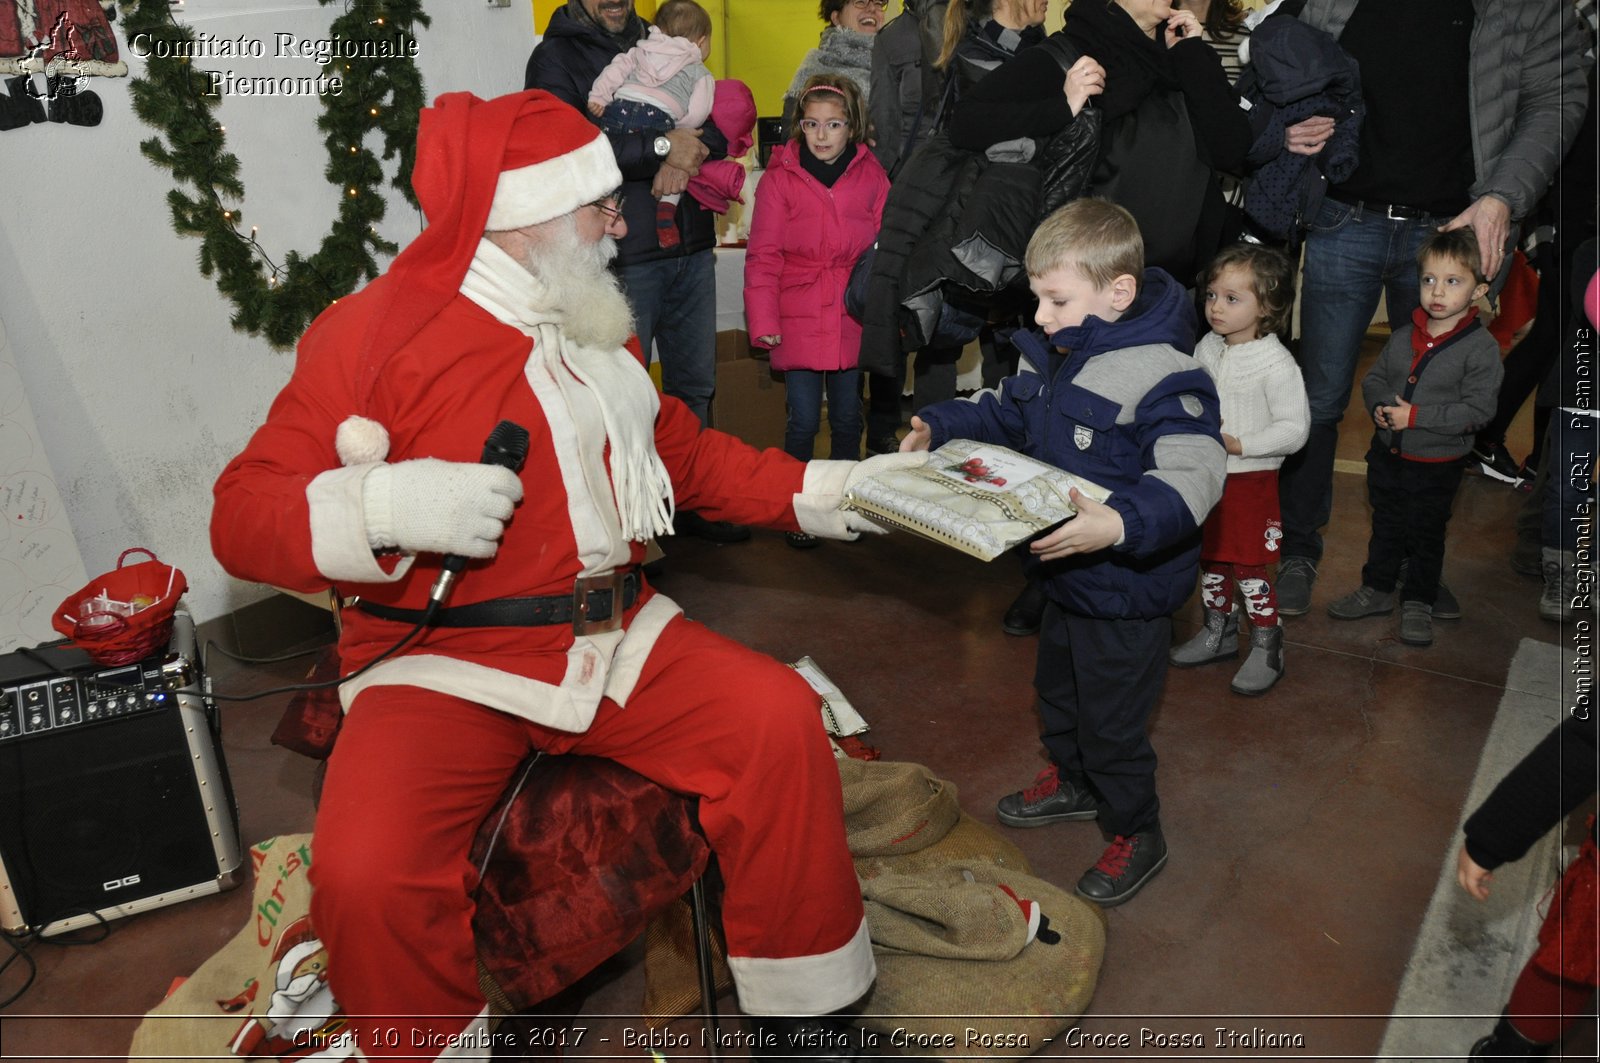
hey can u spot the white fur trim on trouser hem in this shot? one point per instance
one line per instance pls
(805, 985)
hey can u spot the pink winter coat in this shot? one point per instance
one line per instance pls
(804, 240)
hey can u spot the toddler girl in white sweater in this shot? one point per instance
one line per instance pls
(1265, 418)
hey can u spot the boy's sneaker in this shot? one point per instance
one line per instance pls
(1416, 624)
(1295, 577)
(1051, 799)
(1496, 461)
(1362, 602)
(1127, 864)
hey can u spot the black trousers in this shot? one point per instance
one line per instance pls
(1411, 503)
(1098, 681)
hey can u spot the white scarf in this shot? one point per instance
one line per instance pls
(619, 385)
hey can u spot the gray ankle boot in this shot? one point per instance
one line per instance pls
(1264, 666)
(1217, 641)
(1560, 583)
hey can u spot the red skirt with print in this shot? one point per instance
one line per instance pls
(1245, 528)
(1567, 937)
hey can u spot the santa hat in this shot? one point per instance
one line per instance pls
(569, 163)
(481, 165)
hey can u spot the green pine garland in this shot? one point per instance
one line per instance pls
(275, 301)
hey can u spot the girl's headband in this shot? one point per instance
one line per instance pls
(823, 88)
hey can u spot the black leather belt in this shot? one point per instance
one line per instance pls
(591, 608)
(1392, 211)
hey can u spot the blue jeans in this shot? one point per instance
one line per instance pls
(803, 391)
(1352, 256)
(1570, 495)
(674, 303)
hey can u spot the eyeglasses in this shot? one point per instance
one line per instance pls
(811, 125)
(862, 5)
(610, 205)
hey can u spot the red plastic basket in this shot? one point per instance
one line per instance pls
(111, 637)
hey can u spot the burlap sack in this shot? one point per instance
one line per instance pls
(264, 993)
(904, 825)
(671, 971)
(949, 1008)
(891, 807)
(956, 911)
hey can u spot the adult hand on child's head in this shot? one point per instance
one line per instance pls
(1473, 879)
(1310, 136)
(1490, 218)
(1096, 527)
(918, 438)
(1084, 79)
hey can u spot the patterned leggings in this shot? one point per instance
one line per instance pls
(1217, 579)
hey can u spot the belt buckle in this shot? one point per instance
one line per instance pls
(586, 585)
(1404, 213)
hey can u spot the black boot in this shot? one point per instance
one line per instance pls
(1026, 612)
(820, 1037)
(1506, 1043)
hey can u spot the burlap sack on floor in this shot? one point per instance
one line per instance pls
(264, 993)
(933, 896)
(930, 874)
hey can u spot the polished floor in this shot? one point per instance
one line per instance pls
(1308, 828)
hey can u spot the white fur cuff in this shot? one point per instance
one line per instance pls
(816, 507)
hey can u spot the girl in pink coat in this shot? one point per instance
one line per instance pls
(818, 207)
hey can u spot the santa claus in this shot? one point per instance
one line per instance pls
(367, 471)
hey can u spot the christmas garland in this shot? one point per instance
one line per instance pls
(378, 94)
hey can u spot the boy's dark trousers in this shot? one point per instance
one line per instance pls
(1411, 503)
(1098, 681)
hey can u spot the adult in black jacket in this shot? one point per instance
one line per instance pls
(978, 36)
(1149, 52)
(1556, 986)
(671, 289)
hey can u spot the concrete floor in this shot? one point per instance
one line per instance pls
(1309, 829)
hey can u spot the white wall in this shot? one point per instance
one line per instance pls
(141, 389)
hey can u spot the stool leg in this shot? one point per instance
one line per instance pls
(702, 953)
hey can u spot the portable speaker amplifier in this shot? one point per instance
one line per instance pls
(114, 795)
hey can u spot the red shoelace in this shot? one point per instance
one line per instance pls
(1114, 861)
(1045, 783)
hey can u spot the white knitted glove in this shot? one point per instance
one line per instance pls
(439, 507)
(881, 463)
(817, 506)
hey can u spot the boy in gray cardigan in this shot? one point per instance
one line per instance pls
(1433, 386)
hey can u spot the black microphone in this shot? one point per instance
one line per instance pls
(507, 446)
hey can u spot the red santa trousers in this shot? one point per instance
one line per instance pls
(414, 772)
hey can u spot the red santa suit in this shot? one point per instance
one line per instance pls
(409, 369)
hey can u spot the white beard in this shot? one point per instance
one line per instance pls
(580, 286)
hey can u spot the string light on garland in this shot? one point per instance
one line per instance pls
(271, 300)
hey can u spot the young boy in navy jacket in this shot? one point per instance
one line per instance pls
(1109, 393)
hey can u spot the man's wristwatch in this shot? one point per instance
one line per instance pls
(663, 147)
